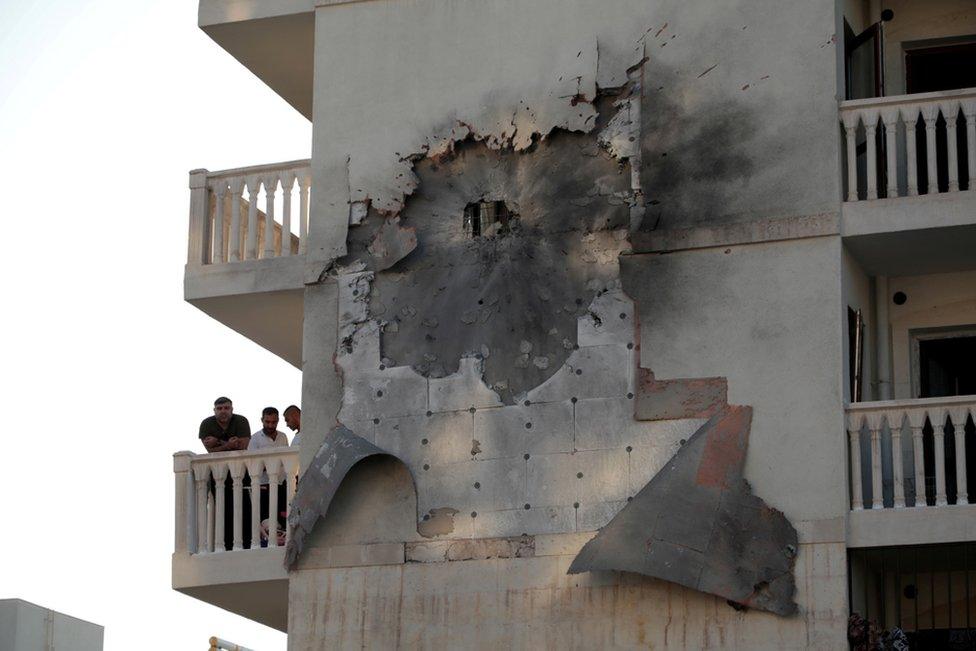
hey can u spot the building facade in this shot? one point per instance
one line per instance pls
(28, 627)
(621, 324)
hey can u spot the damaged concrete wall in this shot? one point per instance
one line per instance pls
(502, 370)
(726, 89)
(767, 318)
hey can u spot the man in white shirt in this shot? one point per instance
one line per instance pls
(293, 419)
(269, 437)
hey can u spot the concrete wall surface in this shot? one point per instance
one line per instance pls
(767, 318)
(724, 92)
(532, 603)
(933, 301)
(27, 627)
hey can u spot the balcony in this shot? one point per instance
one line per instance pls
(246, 579)
(911, 174)
(910, 463)
(244, 262)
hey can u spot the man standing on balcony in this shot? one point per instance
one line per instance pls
(293, 419)
(269, 437)
(225, 430)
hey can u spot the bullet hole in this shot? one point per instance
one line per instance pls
(379, 394)
(355, 292)
(477, 485)
(481, 302)
(899, 298)
(382, 367)
(573, 400)
(579, 301)
(526, 456)
(630, 396)
(623, 315)
(474, 514)
(681, 442)
(430, 413)
(426, 517)
(426, 466)
(423, 441)
(579, 371)
(376, 421)
(630, 346)
(472, 410)
(575, 505)
(527, 403)
(528, 426)
(579, 475)
(630, 448)
(527, 507)
(629, 498)
(728, 251)
(575, 346)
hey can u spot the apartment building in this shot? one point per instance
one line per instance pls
(622, 324)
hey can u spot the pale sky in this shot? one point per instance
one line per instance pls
(105, 106)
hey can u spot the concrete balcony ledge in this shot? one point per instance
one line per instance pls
(911, 526)
(244, 277)
(900, 214)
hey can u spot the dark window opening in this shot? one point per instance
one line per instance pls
(947, 366)
(947, 67)
(489, 218)
(926, 591)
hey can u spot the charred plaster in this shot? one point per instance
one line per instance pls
(511, 299)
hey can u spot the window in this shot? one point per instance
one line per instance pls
(489, 218)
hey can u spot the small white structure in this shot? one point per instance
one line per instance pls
(27, 627)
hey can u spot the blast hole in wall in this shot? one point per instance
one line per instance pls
(489, 218)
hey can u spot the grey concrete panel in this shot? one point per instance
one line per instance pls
(317, 486)
(698, 524)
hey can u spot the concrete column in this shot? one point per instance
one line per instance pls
(321, 382)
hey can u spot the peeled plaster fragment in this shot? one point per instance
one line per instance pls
(697, 523)
(340, 451)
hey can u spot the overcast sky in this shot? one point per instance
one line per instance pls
(105, 106)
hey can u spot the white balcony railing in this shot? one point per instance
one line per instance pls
(202, 513)
(909, 452)
(902, 156)
(227, 224)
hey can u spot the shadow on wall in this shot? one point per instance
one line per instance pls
(376, 502)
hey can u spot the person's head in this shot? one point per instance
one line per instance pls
(293, 417)
(269, 419)
(223, 409)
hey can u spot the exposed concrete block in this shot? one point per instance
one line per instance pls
(679, 398)
(602, 475)
(551, 480)
(468, 550)
(561, 544)
(595, 515)
(532, 521)
(363, 428)
(518, 430)
(604, 324)
(435, 439)
(462, 390)
(609, 423)
(591, 372)
(644, 462)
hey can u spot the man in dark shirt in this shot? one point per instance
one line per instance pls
(222, 432)
(225, 430)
